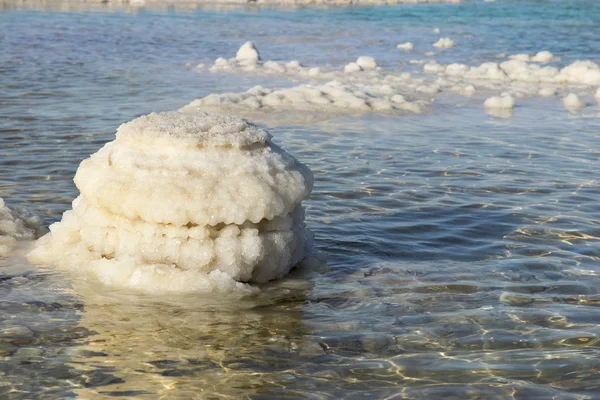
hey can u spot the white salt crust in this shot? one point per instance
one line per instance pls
(502, 102)
(573, 103)
(184, 202)
(408, 46)
(16, 224)
(330, 97)
(370, 88)
(444, 43)
(540, 57)
(248, 54)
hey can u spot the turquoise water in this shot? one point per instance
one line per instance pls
(458, 252)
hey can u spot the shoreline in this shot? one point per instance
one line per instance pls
(66, 5)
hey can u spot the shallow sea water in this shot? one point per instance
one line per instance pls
(458, 253)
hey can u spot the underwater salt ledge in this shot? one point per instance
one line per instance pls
(184, 202)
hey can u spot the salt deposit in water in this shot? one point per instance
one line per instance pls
(573, 103)
(184, 202)
(543, 57)
(501, 102)
(248, 54)
(408, 46)
(444, 43)
(332, 97)
(372, 87)
(16, 224)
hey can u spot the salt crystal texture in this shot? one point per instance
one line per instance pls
(16, 224)
(184, 202)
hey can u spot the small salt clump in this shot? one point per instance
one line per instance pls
(500, 102)
(547, 92)
(542, 57)
(248, 54)
(573, 103)
(16, 224)
(520, 57)
(184, 202)
(352, 67)
(444, 43)
(366, 62)
(408, 46)
(597, 95)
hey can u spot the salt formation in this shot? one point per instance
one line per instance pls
(366, 62)
(597, 95)
(16, 224)
(248, 54)
(444, 43)
(573, 103)
(370, 88)
(184, 202)
(540, 57)
(577, 73)
(500, 102)
(408, 46)
(336, 97)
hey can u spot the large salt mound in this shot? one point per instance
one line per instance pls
(16, 224)
(184, 202)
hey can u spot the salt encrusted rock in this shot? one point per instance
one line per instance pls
(181, 202)
(16, 224)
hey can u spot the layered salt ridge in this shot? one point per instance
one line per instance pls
(184, 202)
(333, 97)
(16, 224)
(578, 73)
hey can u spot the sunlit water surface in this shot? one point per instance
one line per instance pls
(458, 252)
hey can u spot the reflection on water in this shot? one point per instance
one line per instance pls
(459, 251)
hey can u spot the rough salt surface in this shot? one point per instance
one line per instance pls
(332, 97)
(184, 202)
(370, 88)
(16, 224)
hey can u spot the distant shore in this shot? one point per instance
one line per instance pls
(203, 3)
